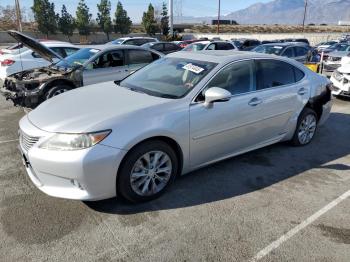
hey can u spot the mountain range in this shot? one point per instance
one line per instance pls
(285, 12)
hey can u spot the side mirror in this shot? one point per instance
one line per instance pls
(216, 94)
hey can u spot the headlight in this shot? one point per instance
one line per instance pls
(69, 142)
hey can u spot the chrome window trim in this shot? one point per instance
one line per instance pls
(193, 102)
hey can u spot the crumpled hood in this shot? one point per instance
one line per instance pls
(90, 108)
(338, 54)
(344, 69)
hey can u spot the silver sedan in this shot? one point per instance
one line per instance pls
(178, 114)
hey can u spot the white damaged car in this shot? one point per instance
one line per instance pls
(341, 81)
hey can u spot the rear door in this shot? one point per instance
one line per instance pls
(109, 66)
(276, 96)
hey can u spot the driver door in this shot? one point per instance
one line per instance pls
(227, 127)
(110, 66)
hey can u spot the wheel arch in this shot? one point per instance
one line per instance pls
(56, 82)
(166, 139)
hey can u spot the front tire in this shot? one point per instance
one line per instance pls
(56, 90)
(147, 171)
(306, 128)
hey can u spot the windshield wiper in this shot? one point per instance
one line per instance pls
(168, 96)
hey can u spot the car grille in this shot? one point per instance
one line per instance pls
(26, 141)
(334, 59)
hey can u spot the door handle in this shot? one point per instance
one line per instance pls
(302, 91)
(255, 101)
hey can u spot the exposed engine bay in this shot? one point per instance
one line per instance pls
(27, 88)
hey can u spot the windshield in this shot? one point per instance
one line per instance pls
(340, 47)
(78, 58)
(168, 77)
(269, 49)
(194, 47)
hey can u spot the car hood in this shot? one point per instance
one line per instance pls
(344, 69)
(91, 108)
(36, 46)
(339, 53)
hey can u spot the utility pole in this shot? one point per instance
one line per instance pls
(305, 10)
(171, 17)
(219, 9)
(18, 16)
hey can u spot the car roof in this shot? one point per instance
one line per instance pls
(135, 37)
(201, 42)
(285, 44)
(58, 43)
(220, 56)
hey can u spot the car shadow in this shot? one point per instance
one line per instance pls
(250, 172)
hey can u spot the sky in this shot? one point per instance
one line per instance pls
(135, 8)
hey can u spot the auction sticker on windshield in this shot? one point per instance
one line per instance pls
(193, 68)
(94, 50)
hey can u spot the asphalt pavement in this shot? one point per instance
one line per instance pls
(280, 203)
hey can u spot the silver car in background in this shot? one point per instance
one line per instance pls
(178, 114)
(90, 65)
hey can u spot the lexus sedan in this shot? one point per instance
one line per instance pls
(180, 113)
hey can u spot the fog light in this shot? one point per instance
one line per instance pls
(76, 184)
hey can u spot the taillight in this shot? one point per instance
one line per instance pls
(7, 62)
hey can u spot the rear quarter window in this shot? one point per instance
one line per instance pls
(299, 75)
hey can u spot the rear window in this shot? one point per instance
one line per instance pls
(273, 73)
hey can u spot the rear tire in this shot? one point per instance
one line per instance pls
(147, 171)
(56, 90)
(306, 128)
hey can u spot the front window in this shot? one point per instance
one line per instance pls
(237, 78)
(269, 49)
(169, 77)
(78, 58)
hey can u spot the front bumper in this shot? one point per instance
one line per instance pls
(19, 96)
(340, 87)
(88, 174)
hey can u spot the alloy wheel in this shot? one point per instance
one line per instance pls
(307, 129)
(151, 173)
